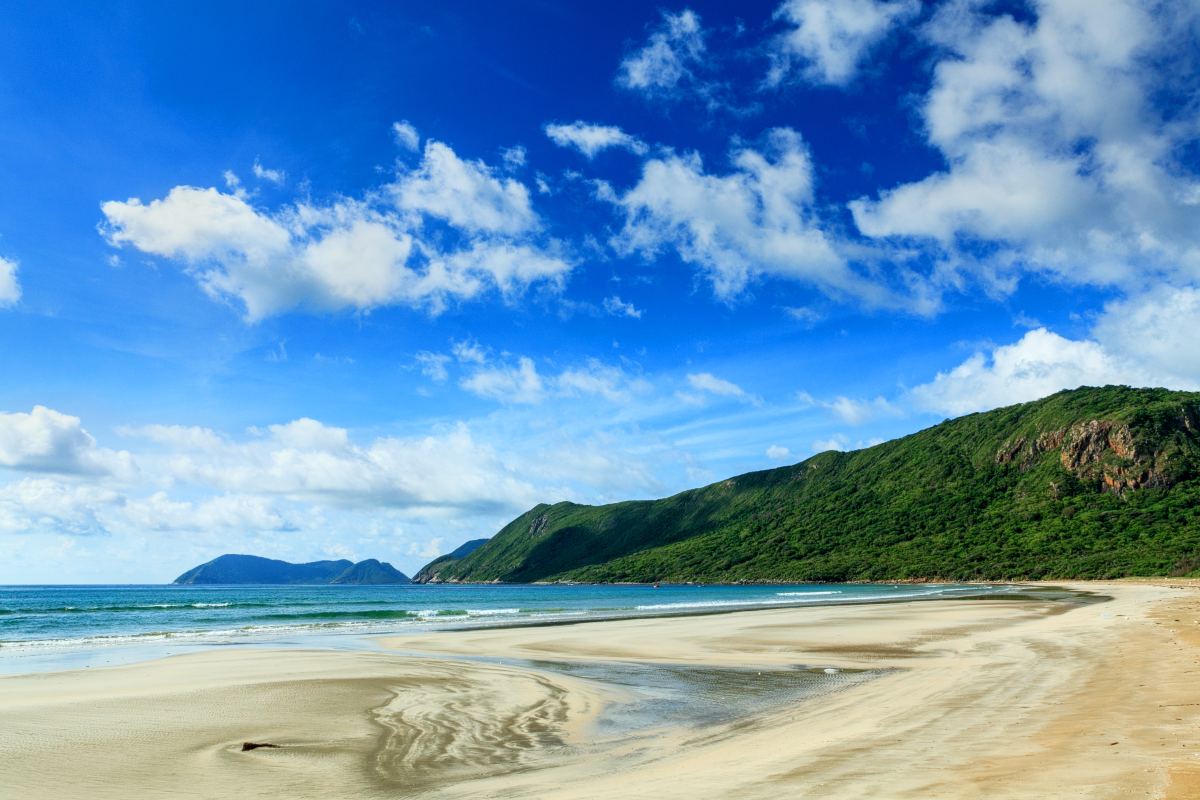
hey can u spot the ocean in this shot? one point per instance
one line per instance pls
(63, 627)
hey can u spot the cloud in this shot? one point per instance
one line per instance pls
(45, 440)
(469, 352)
(508, 384)
(467, 194)
(275, 176)
(669, 59)
(711, 384)
(705, 384)
(1063, 138)
(352, 254)
(757, 220)
(840, 442)
(406, 136)
(603, 380)
(619, 308)
(433, 365)
(778, 453)
(860, 412)
(830, 38)
(591, 139)
(310, 461)
(1038, 364)
(10, 287)
(42, 505)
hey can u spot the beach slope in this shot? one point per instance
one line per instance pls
(997, 698)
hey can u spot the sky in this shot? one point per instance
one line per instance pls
(367, 280)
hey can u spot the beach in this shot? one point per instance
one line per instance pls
(1004, 697)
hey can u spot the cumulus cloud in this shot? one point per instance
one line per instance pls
(406, 136)
(275, 176)
(1062, 137)
(10, 287)
(519, 383)
(45, 440)
(591, 139)
(830, 38)
(354, 253)
(1039, 364)
(600, 379)
(308, 460)
(778, 453)
(619, 308)
(669, 59)
(757, 220)
(41, 505)
(467, 194)
(860, 412)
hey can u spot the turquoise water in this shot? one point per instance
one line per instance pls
(46, 627)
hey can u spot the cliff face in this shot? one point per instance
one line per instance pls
(1090, 483)
(1116, 456)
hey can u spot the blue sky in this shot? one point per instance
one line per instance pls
(368, 280)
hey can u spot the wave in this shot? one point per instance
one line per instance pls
(803, 594)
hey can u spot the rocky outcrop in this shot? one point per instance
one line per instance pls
(1114, 456)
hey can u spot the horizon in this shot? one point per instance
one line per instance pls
(380, 302)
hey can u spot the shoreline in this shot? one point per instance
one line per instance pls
(965, 699)
(138, 647)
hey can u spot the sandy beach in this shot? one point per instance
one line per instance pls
(989, 698)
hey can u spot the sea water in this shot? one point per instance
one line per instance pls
(59, 627)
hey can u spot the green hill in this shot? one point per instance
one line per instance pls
(233, 568)
(1089, 483)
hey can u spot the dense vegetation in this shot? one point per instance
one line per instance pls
(1089, 483)
(232, 568)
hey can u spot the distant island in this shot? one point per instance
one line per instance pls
(231, 569)
(1088, 483)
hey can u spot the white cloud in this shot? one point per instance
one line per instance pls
(705, 384)
(777, 453)
(832, 37)
(1038, 364)
(837, 442)
(619, 308)
(507, 383)
(308, 460)
(41, 505)
(10, 287)
(597, 378)
(275, 176)
(466, 194)
(1062, 137)
(45, 440)
(669, 59)
(1156, 329)
(860, 412)
(349, 254)
(757, 220)
(514, 157)
(158, 512)
(591, 139)
(433, 365)
(469, 352)
(406, 136)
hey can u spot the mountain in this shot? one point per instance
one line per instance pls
(371, 571)
(1088, 483)
(429, 572)
(255, 569)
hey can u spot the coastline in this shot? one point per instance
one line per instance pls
(1008, 698)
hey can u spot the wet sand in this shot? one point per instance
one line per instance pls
(995, 698)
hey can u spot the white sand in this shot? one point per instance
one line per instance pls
(999, 698)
